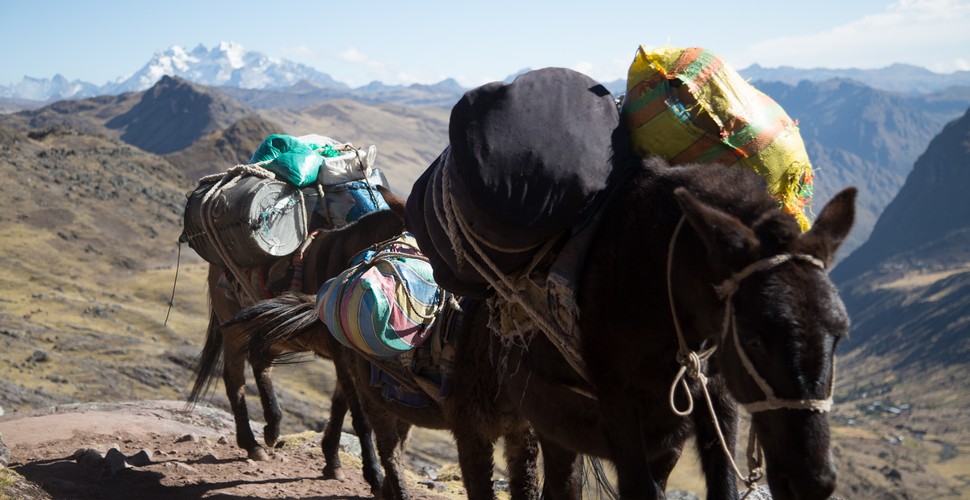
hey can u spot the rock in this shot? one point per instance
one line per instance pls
(140, 459)
(223, 440)
(209, 459)
(89, 458)
(115, 461)
(429, 472)
(349, 444)
(186, 468)
(38, 357)
(681, 495)
(188, 438)
(4, 452)
(436, 486)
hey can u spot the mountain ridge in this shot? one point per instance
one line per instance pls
(230, 65)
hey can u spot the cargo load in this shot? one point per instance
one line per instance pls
(690, 106)
(253, 214)
(525, 165)
(385, 303)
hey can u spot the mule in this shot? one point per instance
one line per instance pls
(697, 285)
(476, 412)
(228, 345)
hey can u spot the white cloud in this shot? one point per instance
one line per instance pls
(390, 73)
(928, 33)
(354, 56)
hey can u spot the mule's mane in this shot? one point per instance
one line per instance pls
(737, 191)
(367, 224)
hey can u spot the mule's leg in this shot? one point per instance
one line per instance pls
(234, 376)
(475, 459)
(718, 473)
(391, 436)
(628, 447)
(272, 412)
(521, 457)
(331, 435)
(358, 417)
(563, 477)
(663, 464)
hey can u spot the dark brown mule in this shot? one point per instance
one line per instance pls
(776, 308)
(229, 345)
(477, 411)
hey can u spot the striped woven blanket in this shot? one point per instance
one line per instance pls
(385, 302)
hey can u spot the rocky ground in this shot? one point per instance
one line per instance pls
(155, 450)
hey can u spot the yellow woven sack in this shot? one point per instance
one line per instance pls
(690, 106)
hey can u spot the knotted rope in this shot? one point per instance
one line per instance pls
(207, 217)
(692, 362)
(457, 229)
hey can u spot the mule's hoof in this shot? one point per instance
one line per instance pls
(271, 436)
(258, 454)
(334, 473)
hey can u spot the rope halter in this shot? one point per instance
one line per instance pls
(691, 362)
(726, 292)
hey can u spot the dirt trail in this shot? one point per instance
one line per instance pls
(163, 452)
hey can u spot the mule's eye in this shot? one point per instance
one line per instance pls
(753, 342)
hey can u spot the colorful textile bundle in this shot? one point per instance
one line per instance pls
(690, 106)
(385, 303)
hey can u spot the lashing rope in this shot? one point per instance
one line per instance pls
(457, 229)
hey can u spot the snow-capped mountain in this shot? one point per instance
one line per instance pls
(227, 65)
(43, 89)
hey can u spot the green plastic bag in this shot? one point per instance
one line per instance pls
(293, 160)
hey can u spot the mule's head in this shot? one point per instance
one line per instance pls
(784, 320)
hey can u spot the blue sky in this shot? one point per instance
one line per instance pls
(476, 42)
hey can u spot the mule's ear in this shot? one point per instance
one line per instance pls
(728, 241)
(831, 227)
(395, 203)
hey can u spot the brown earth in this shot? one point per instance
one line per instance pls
(166, 452)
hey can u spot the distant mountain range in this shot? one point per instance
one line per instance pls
(855, 134)
(230, 66)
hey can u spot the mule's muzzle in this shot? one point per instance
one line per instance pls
(816, 484)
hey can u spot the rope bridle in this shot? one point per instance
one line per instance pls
(691, 362)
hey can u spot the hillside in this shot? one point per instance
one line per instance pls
(224, 148)
(173, 114)
(408, 139)
(860, 136)
(907, 289)
(929, 207)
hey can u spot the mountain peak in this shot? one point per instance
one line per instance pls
(173, 114)
(228, 64)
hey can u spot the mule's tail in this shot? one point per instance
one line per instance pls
(596, 483)
(282, 319)
(209, 361)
